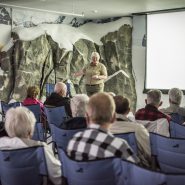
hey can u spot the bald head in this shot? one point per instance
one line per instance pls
(101, 108)
(60, 88)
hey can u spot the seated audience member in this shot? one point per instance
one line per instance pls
(124, 125)
(97, 142)
(31, 98)
(175, 98)
(151, 112)
(58, 98)
(19, 126)
(78, 107)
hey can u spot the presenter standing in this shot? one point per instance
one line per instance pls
(95, 73)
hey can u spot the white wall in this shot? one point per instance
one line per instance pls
(138, 61)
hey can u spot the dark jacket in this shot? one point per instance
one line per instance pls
(56, 100)
(74, 123)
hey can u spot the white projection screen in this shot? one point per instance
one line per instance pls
(165, 55)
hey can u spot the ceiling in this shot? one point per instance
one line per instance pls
(95, 9)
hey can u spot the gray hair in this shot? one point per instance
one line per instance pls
(175, 95)
(19, 122)
(78, 105)
(95, 54)
(60, 88)
(154, 97)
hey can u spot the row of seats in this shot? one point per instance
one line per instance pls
(113, 171)
(169, 152)
(56, 116)
(28, 166)
(23, 166)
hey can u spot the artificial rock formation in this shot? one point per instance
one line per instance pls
(41, 60)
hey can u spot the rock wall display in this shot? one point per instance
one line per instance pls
(5, 26)
(5, 16)
(43, 60)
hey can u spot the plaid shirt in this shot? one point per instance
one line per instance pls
(150, 113)
(95, 143)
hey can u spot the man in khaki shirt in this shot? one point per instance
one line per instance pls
(95, 73)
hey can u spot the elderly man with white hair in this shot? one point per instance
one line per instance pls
(151, 111)
(95, 73)
(78, 108)
(19, 125)
(175, 99)
(58, 98)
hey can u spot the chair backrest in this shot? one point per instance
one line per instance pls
(170, 153)
(130, 138)
(113, 171)
(39, 132)
(159, 126)
(177, 179)
(142, 176)
(36, 109)
(175, 117)
(22, 166)
(55, 115)
(61, 136)
(100, 172)
(5, 106)
(177, 130)
(49, 88)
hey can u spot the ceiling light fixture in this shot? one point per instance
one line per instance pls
(42, 10)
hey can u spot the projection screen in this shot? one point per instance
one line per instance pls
(165, 55)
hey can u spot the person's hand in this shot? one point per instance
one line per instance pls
(95, 77)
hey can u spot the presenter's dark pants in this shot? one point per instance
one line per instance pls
(92, 89)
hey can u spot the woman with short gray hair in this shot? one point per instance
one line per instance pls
(175, 99)
(175, 96)
(78, 105)
(19, 124)
(78, 109)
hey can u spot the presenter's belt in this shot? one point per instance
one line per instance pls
(92, 84)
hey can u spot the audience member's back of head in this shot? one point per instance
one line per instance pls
(78, 105)
(154, 97)
(101, 108)
(60, 88)
(33, 91)
(122, 104)
(175, 96)
(19, 122)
